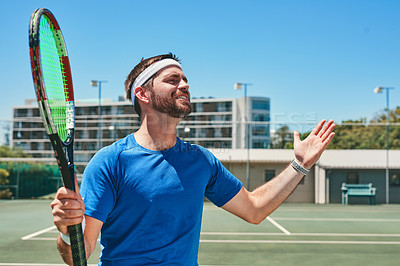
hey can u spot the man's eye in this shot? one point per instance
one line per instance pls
(172, 81)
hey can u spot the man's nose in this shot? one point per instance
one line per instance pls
(183, 85)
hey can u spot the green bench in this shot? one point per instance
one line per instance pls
(358, 190)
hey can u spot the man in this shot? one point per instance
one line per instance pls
(145, 192)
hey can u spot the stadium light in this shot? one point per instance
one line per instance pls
(239, 86)
(97, 83)
(380, 90)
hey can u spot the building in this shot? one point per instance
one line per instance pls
(219, 125)
(214, 123)
(323, 184)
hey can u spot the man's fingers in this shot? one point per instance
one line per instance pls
(71, 214)
(327, 130)
(318, 127)
(62, 223)
(67, 209)
(65, 193)
(66, 200)
(70, 204)
(328, 139)
(296, 137)
(67, 213)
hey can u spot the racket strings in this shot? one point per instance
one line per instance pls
(54, 76)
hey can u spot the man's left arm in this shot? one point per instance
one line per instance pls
(255, 206)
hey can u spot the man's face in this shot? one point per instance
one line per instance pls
(170, 93)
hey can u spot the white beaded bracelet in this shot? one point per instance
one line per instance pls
(298, 167)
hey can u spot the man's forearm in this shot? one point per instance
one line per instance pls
(269, 196)
(255, 206)
(65, 251)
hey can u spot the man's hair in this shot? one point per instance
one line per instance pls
(139, 68)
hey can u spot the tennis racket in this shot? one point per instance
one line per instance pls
(52, 80)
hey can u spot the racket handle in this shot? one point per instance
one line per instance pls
(77, 244)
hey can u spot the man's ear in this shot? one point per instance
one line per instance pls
(142, 94)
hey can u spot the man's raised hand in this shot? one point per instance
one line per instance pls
(309, 150)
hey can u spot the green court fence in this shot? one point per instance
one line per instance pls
(30, 179)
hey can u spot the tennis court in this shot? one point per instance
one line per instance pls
(296, 234)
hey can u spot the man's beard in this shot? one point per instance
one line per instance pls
(168, 106)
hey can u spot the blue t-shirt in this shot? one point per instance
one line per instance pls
(151, 202)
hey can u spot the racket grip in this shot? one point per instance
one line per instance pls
(77, 244)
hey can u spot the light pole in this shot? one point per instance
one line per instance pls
(186, 130)
(239, 86)
(113, 129)
(380, 90)
(97, 83)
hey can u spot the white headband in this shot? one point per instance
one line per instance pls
(150, 71)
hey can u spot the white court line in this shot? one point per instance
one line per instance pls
(39, 232)
(297, 234)
(42, 238)
(31, 237)
(280, 227)
(47, 264)
(339, 219)
(240, 234)
(266, 234)
(346, 234)
(277, 241)
(49, 239)
(35, 264)
(302, 242)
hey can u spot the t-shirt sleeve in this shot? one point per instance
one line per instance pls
(223, 185)
(98, 188)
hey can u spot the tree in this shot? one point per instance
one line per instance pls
(282, 133)
(4, 193)
(357, 134)
(6, 151)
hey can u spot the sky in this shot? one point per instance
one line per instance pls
(314, 59)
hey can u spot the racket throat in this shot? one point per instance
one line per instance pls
(67, 171)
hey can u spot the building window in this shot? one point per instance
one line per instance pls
(198, 107)
(106, 110)
(209, 107)
(260, 131)
(352, 178)
(260, 144)
(260, 117)
(21, 113)
(35, 112)
(224, 107)
(121, 110)
(269, 174)
(395, 179)
(216, 144)
(92, 110)
(260, 105)
(78, 111)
